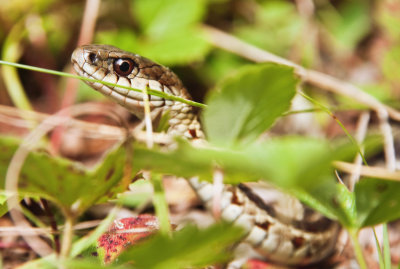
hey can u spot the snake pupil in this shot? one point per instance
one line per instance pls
(123, 67)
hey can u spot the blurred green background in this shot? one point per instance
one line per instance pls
(358, 41)
(354, 40)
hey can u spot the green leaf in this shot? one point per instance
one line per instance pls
(51, 262)
(349, 24)
(303, 167)
(123, 38)
(377, 201)
(298, 165)
(248, 103)
(183, 161)
(3, 204)
(140, 194)
(178, 48)
(170, 31)
(286, 162)
(388, 20)
(86, 263)
(390, 64)
(66, 183)
(161, 18)
(189, 247)
(48, 262)
(271, 29)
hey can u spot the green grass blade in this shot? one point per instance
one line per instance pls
(386, 248)
(357, 248)
(324, 108)
(379, 250)
(150, 91)
(160, 204)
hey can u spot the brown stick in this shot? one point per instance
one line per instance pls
(368, 171)
(230, 43)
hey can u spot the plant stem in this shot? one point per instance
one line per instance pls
(160, 204)
(386, 247)
(67, 237)
(230, 43)
(324, 108)
(53, 224)
(357, 248)
(379, 250)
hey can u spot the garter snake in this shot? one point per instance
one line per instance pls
(304, 239)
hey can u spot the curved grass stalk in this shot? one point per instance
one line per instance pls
(357, 248)
(325, 109)
(63, 74)
(12, 52)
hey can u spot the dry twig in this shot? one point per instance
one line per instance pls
(230, 43)
(368, 171)
(361, 132)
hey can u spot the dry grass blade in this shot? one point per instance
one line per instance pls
(11, 116)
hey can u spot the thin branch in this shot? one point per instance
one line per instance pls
(388, 143)
(12, 230)
(88, 22)
(325, 82)
(85, 37)
(361, 132)
(368, 171)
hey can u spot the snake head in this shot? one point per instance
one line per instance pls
(113, 65)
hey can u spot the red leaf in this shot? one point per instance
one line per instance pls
(126, 232)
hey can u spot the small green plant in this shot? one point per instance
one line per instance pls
(341, 37)
(301, 166)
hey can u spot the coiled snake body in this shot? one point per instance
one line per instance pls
(295, 239)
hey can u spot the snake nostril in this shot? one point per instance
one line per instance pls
(92, 57)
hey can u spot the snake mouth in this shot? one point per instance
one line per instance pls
(94, 63)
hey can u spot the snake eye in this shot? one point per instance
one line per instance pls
(123, 67)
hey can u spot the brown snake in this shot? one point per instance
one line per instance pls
(299, 237)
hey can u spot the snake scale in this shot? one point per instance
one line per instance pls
(301, 238)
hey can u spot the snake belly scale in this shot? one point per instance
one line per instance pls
(307, 239)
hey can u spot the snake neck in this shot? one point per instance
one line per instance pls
(184, 120)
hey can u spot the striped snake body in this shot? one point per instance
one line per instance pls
(298, 238)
